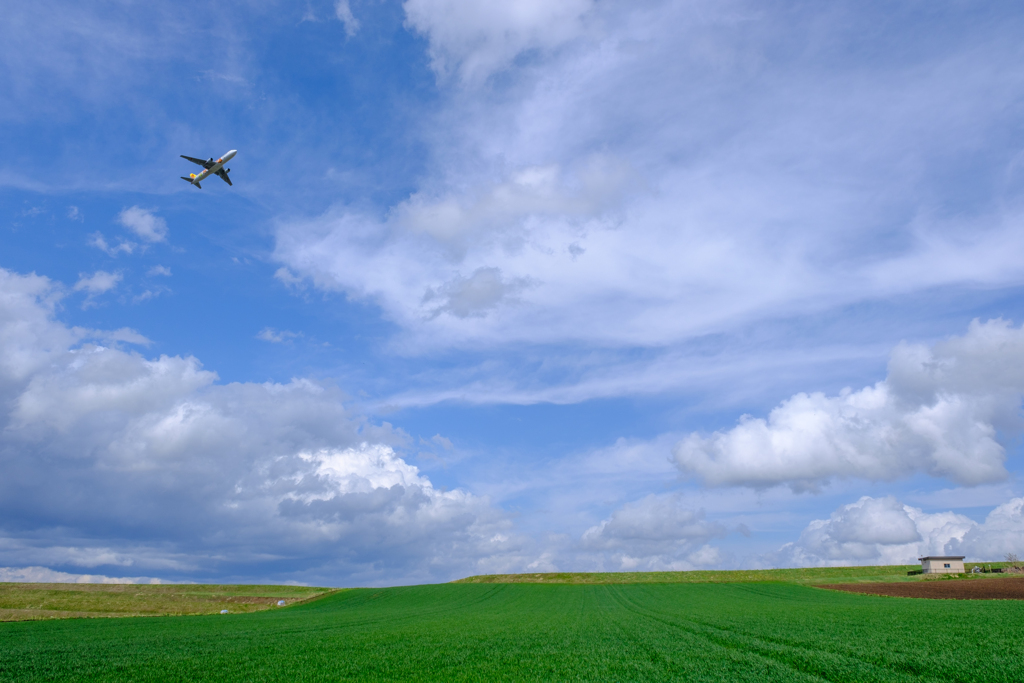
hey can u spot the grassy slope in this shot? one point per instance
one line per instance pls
(807, 576)
(710, 632)
(23, 601)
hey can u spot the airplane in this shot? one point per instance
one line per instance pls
(210, 167)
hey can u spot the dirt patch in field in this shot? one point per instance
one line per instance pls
(948, 589)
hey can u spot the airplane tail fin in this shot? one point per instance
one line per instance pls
(192, 181)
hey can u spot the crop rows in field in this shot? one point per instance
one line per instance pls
(698, 632)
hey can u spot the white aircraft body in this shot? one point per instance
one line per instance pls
(210, 167)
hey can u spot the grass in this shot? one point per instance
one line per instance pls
(29, 601)
(804, 576)
(527, 631)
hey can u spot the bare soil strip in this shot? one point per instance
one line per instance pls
(1011, 588)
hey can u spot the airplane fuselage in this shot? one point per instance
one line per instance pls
(217, 166)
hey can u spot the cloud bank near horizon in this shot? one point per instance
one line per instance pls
(199, 478)
(884, 531)
(940, 411)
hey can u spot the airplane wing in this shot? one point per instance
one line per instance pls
(204, 164)
(224, 176)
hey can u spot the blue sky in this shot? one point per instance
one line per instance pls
(562, 285)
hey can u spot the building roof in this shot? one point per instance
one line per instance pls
(941, 557)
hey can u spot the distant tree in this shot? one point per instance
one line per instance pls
(1013, 560)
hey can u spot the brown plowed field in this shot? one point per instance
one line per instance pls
(949, 589)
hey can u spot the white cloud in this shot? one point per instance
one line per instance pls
(475, 295)
(288, 278)
(476, 38)
(273, 336)
(74, 214)
(343, 12)
(657, 532)
(507, 206)
(939, 411)
(98, 283)
(884, 531)
(45, 575)
(147, 295)
(414, 263)
(99, 241)
(124, 334)
(1001, 533)
(734, 182)
(31, 339)
(159, 270)
(144, 223)
(198, 477)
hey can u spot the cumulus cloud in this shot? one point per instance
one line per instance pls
(159, 270)
(144, 223)
(97, 283)
(116, 460)
(657, 532)
(476, 38)
(1001, 533)
(28, 333)
(939, 411)
(885, 531)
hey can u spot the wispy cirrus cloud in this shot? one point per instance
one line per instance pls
(269, 334)
(670, 181)
(100, 242)
(343, 12)
(474, 38)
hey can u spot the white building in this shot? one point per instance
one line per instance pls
(942, 565)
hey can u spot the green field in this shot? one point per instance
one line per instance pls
(513, 632)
